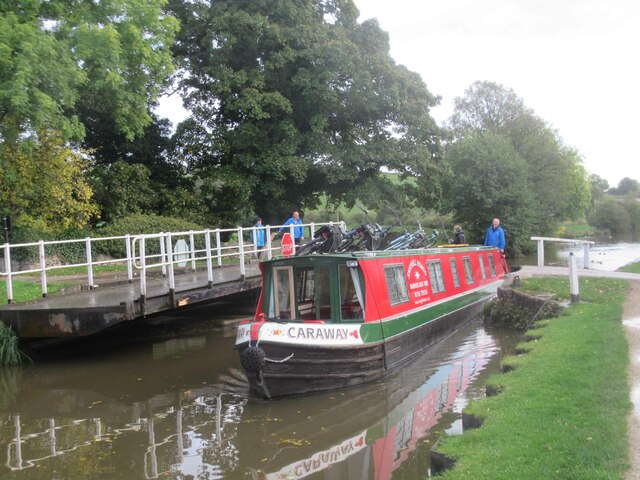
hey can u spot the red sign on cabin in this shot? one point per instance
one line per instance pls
(287, 244)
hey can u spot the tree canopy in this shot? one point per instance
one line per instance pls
(293, 99)
(552, 183)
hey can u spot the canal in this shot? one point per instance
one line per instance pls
(167, 399)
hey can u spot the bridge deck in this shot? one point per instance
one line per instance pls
(87, 312)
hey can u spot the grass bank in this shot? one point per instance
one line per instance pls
(562, 411)
(25, 290)
(631, 268)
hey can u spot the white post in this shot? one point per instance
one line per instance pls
(127, 239)
(586, 255)
(143, 270)
(574, 286)
(89, 263)
(268, 244)
(218, 247)
(192, 245)
(541, 253)
(164, 260)
(7, 268)
(207, 246)
(293, 237)
(43, 266)
(169, 248)
(241, 253)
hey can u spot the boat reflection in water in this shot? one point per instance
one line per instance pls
(378, 427)
(74, 423)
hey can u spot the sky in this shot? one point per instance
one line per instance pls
(574, 62)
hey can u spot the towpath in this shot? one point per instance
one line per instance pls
(631, 322)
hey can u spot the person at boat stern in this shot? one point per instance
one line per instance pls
(458, 236)
(298, 231)
(495, 236)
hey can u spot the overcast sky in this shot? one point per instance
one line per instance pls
(574, 62)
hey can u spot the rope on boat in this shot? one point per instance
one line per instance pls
(279, 361)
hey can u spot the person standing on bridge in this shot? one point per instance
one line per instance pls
(298, 231)
(495, 236)
(258, 237)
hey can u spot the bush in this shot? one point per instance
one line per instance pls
(66, 252)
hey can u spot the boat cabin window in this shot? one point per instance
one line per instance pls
(281, 293)
(396, 284)
(351, 298)
(468, 272)
(454, 272)
(482, 268)
(313, 293)
(492, 266)
(435, 276)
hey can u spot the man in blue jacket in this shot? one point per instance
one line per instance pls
(495, 236)
(298, 231)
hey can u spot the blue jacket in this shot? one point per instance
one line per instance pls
(495, 238)
(298, 232)
(258, 235)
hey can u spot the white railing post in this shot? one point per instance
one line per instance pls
(541, 253)
(7, 268)
(218, 247)
(574, 286)
(207, 246)
(172, 278)
(312, 230)
(268, 242)
(241, 253)
(586, 255)
(293, 238)
(192, 245)
(163, 254)
(89, 263)
(127, 247)
(143, 270)
(43, 266)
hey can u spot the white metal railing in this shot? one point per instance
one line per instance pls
(541, 241)
(174, 248)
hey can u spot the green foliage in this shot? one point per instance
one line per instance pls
(489, 179)
(611, 214)
(42, 185)
(548, 420)
(9, 350)
(294, 99)
(115, 55)
(141, 224)
(552, 183)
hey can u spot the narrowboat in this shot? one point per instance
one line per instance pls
(335, 320)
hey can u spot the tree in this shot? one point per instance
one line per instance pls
(45, 187)
(558, 181)
(113, 56)
(293, 99)
(489, 179)
(627, 186)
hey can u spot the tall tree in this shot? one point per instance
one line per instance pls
(64, 66)
(295, 98)
(555, 172)
(487, 181)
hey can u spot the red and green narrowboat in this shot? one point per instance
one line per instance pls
(336, 320)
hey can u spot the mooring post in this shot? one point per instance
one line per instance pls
(540, 252)
(574, 287)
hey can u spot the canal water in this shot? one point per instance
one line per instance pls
(168, 400)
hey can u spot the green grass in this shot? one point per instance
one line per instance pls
(561, 413)
(573, 230)
(25, 290)
(630, 268)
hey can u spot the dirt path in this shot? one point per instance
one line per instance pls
(631, 320)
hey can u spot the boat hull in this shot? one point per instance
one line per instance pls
(290, 369)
